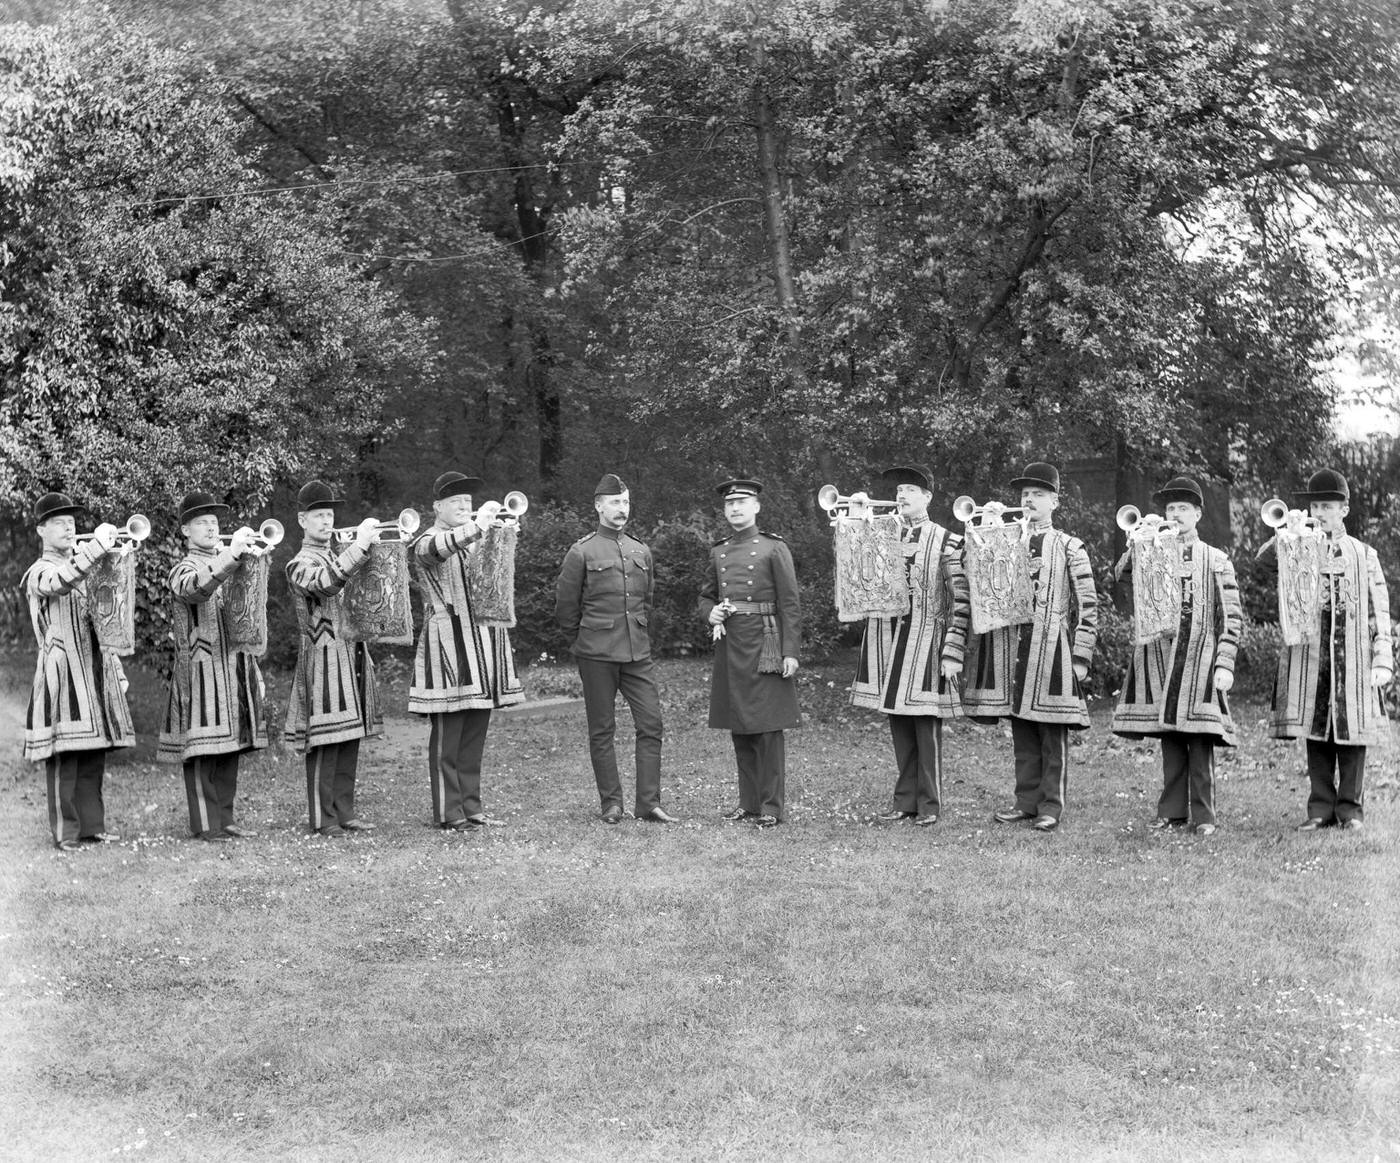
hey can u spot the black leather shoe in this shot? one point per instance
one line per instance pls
(735, 814)
(214, 837)
(238, 833)
(453, 826)
(1045, 823)
(926, 821)
(100, 838)
(1313, 823)
(1011, 815)
(659, 816)
(358, 826)
(1163, 822)
(69, 846)
(1351, 825)
(331, 833)
(893, 816)
(1205, 829)
(612, 815)
(482, 820)
(766, 821)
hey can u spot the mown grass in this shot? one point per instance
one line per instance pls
(560, 989)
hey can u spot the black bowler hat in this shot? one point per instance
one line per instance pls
(739, 488)
(1326, 484)
(197, 504)
(908, 474)
(1180, 489)
(1038, 475)
(609, 486)
(54, 505)
(317, 495)
(455, 484)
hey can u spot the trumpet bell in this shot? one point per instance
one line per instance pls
(964, 508)
(271, 532)
(515, 504)
(828, 497)
(138, 527)
(1274, 512)
(409, 521)
(1129, 517)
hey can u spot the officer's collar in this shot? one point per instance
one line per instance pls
(745, 534)
(610, 534)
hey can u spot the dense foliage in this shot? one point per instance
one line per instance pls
(242, 243)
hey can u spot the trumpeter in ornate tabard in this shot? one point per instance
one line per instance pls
(215, 708)
(603, 601)
(1032, 672)
(1328, 687)
(1176, 686)
(909, 666)
(77, 704)
(462, 669)
(750, 599)
(334, 703)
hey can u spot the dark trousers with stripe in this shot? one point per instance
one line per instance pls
(211, 782)
(456, 744)
(602, 681)
(918, 753)
(762, 763)
(1336, 773)
(1188, 778)
(330, 783)
(75, 794)
(1041, 753)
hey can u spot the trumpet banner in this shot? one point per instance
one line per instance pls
(871, 579)
(245, 606)
(1156, 588)
(1299, 586)
(997, 562)
(491, 576)
(111, 591)
(375, 600)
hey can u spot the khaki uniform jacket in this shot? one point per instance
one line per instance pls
(603, 597)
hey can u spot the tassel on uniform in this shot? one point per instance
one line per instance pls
(770, 660)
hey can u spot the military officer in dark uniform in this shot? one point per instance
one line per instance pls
(603, 601)
(750, 598)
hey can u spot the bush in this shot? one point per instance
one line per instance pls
(1113, 652)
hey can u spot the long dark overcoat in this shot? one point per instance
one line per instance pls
(753, 567)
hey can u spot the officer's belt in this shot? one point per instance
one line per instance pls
(752, 607)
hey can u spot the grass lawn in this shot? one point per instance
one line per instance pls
(558, 989)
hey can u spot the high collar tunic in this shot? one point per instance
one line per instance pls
(753, 567)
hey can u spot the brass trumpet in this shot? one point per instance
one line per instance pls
(514, 505)
(269, 534)
(1275, 513)
(856, 505)
(1140, 528)
(401, 529)
(992, 513)
(129, 536)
